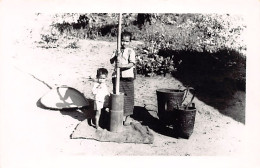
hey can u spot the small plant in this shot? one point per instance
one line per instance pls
(48, 41)
(149, 63)
(72, 45)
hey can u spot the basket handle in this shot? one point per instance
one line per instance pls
(186, 92)
(190, 88)
(185, 95)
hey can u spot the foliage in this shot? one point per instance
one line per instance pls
(209, 43)
(72, 45)
(48, 41)
(196, 32)
(192, 33)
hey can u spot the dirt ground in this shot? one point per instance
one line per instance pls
(30, 133)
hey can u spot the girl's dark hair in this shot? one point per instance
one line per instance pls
(126, 34)
(102, 71)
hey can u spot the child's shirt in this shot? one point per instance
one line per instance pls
(100, 92)
(127, 56)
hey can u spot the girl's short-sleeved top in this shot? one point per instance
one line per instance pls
(127, 56)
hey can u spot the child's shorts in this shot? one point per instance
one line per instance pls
(98, 105)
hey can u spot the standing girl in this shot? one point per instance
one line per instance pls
(126, 62)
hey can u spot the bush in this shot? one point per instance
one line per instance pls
(213, 41)
(166, 37)
(195, 32)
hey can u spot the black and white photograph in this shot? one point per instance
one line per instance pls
(173, 83)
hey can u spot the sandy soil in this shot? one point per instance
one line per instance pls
(214, 133)
(31, 133)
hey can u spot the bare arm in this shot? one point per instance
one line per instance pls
(114, 57)
(126, 66)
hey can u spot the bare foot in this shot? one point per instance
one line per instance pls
(98, 128)
(127, 121)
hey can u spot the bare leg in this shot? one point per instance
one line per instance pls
(89, 121)
(97, 116)
(124, 118)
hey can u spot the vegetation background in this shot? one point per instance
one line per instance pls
(164, 48)
(206, 51)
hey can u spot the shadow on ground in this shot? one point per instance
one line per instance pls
(76, 113)
(81, 114)
(216, 77)
(142, 115)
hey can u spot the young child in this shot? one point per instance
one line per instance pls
(101, 93)
(126, 63)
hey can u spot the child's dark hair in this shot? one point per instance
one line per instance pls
(126, 34)
(102, 71)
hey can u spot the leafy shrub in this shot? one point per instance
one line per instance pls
(207, 34)
(167, 37)
(72, 45)
(48, 41)
(196, 32)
